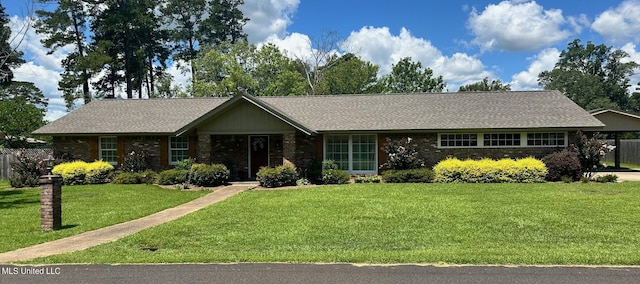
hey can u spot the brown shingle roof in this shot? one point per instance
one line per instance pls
(388, 112)
(436, 111)
(153, 116)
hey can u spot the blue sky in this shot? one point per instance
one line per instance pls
(464, 41)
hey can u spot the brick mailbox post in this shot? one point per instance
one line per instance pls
(50, 199)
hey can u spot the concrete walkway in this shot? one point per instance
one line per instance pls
(112, 233)
(623, 175)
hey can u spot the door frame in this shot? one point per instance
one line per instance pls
(250, 152)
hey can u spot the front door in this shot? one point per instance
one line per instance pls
(259, 153)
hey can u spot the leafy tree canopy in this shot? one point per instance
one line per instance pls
(485, 86)
(593, 76)
(18, 118)
(409, 77)
(350, 75)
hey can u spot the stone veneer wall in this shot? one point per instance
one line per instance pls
(427, 144)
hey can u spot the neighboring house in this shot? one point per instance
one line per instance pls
(246, 132)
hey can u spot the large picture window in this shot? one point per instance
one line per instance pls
(178, 149)
(108, 151)
(353, 153)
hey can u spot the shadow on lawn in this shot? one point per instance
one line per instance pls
(8, 199)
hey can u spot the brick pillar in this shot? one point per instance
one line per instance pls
(204, 149)
(50, 202)
(289, 149)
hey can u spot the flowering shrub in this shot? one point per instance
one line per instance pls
(135, 162)
(525, 170)
(335, 177)
(401, 154)
(81, 172)
(27, 169)
(591, 151)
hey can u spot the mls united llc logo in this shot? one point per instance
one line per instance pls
(30, 270)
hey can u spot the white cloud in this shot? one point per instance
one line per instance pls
(621, 23)
(543, 61)
(41, 68)
(634, 55)
(516, 26)
(267, 18)
(384, 49)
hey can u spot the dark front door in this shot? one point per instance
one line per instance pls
(259, 153)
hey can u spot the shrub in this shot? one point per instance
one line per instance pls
(401, 154)
(27, 169)
(335, 177)
(172, 176)
(73, 173)
(607, 178)
(526, 170)
(367, 179)
(564, 163)
(591, 151)
(98, 172)
(147, 177)
(135, 162)
(185, 164)
(284, 175)
(330, 165)
(208, 175)
(303, 181)
(421, 175)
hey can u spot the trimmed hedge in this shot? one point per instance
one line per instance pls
(172, 176)
(422, 175)
(563, 164)
(284, 175)
(146, 177)
(81, 172)
(208, 175)
(527, 170)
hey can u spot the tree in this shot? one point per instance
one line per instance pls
(64, 26)
(350, 75)
(276, 74)
(128, 32)
(9, 56)
(409, 77)
(18, 118)
(593, 76)
(322, 57)
(195, 23)
(485, 86)
(24, 90)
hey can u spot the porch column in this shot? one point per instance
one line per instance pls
(616, 152)
(289, 149)
(204, 149)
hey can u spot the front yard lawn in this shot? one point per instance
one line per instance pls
(553, 223)
(84, 208)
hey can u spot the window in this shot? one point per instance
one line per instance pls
(108, 151)
(353, 153)
(501, 139)
(459, 140)
(338, 150)
(546, 139)
(178, 149)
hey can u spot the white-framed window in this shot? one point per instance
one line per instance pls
(502, 140)
(353, 153)
(550, 139)
(178, 149)
(108, 149)
(458, 140)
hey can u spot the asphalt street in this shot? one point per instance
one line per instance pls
(314, 273)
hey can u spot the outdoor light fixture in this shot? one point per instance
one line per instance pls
(50, 163)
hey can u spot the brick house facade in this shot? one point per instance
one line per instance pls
(245, 132)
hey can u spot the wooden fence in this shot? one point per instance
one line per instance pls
(629, 152)
(9, 155)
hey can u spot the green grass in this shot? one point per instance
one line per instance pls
(552, 223)
(84, 208)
